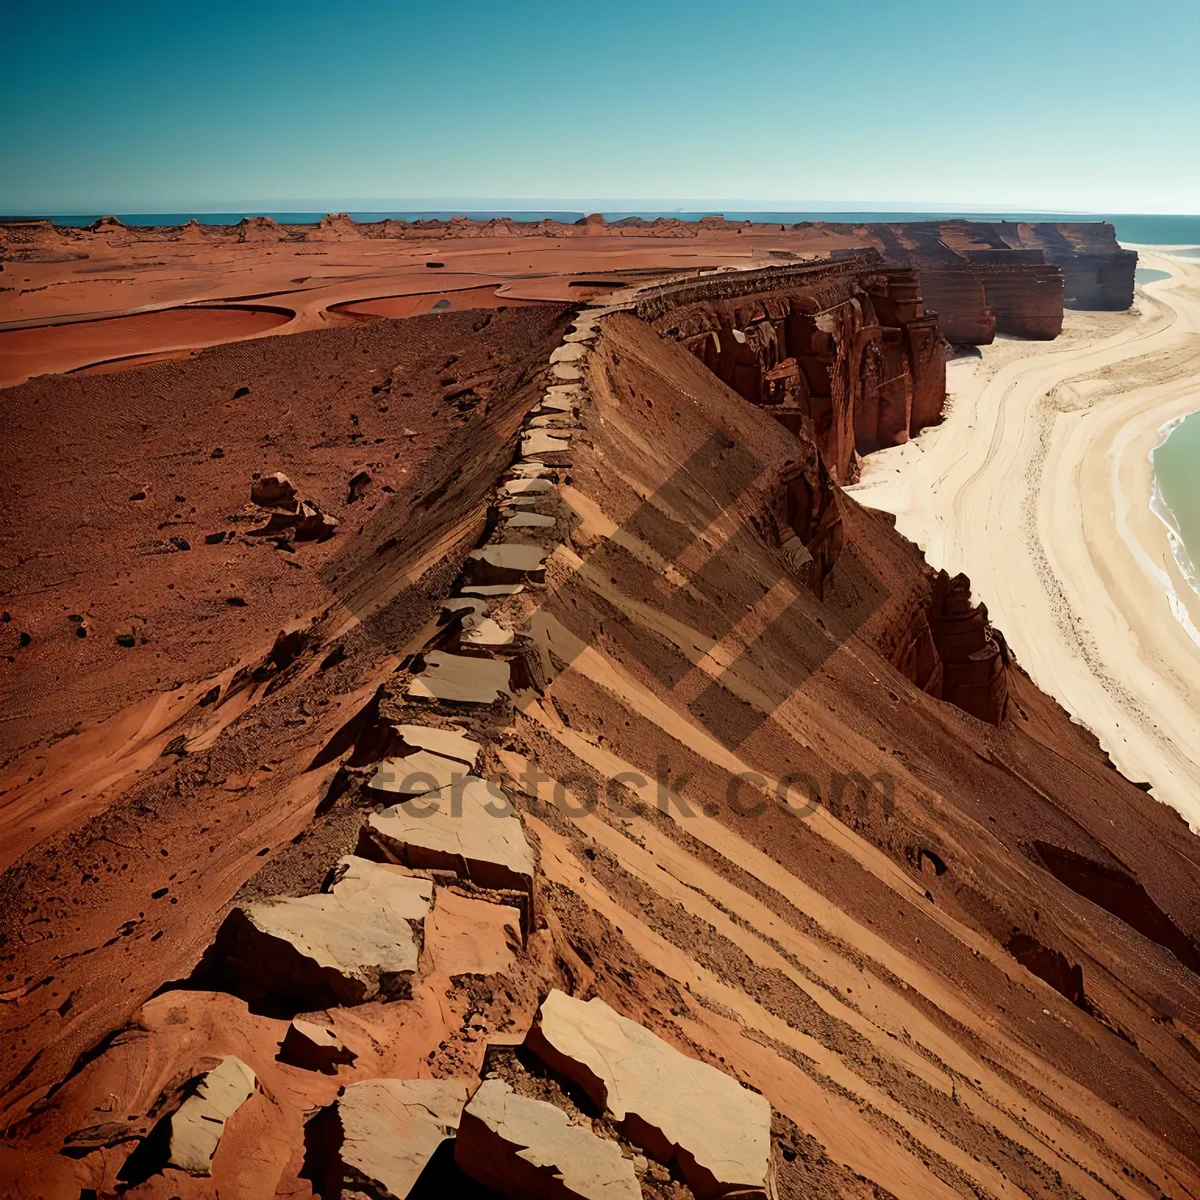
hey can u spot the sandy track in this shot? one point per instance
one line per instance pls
(1038, 486)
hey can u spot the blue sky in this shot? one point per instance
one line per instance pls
(152, 107)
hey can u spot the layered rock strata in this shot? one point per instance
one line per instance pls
(845, 350)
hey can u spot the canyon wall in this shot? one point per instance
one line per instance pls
(844, 349)
(845, 356)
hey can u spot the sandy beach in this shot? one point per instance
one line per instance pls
(1038, 486)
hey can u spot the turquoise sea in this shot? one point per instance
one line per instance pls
(1177, 491)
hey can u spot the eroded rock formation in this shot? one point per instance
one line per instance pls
(844, 349)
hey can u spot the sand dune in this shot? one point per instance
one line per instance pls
(1038, 486)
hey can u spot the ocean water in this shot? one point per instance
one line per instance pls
(1144, 275)
(1150, 229)
(1176, 499)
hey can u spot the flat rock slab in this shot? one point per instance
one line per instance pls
(674, 1107)
(464, 936)
(472, 830)
(562, 370)
(391, 1128)
(525, 487)
(459, 603)
(199, 1122)
(494, 589)
(483, 631)
(531, 520)
(449, 743)
(507, 562)
(345, 946)
(568, 352)
(538, 441)
(529, 1150)
(558, 420)
(417, 773)
(462, 678)
(512, 556)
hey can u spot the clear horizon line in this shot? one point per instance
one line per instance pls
(575, 204)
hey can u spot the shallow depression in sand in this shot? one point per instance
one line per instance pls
(60, 348)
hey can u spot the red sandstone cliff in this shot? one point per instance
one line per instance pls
(844, 349)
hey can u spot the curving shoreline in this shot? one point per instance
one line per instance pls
(1038, 485)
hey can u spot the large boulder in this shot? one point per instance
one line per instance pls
(676, 1108)
(199, 1122)
(345, 946)
(391, 1128)
(529, 1150)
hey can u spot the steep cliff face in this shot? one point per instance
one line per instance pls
(844, 349)
(1023, 291)
(837, 354)
(950, 286)
(1097, 271)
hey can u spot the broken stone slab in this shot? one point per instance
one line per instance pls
(537, 441)
(675, 1107)
(552, 421)
(306, 524)
(531, 470)
(568, 352)
(521, 557)
(508, 562)
(416, 773)
(391, 1128)
(556, 404)
(449, 743)
(524, 487)
(561, 370)
(458, 677)
(471, 829)
(313, 1047)
(340, 947)
(199, 1122)
(273, 491)
(581, 333)
(314, 525)
(465, 603)
(529, 1150)
(529, 520)
(483, 631)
